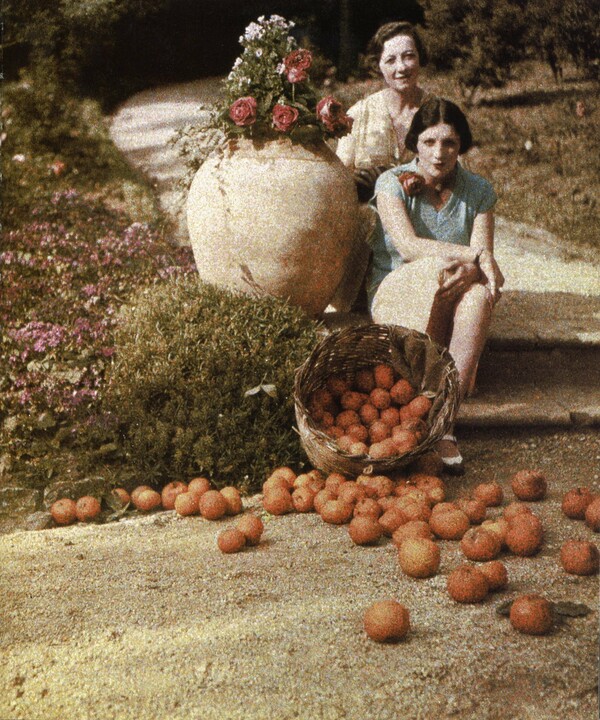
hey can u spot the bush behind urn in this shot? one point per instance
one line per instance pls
(187, 353)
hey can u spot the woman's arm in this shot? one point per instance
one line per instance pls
(482, 240)
(398, 226)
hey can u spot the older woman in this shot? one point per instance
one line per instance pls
(377, 140)
(433, 252)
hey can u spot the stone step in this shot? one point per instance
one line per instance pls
(540, 387)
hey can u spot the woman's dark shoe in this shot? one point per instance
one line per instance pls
(447, 449)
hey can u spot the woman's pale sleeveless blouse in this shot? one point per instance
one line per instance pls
(373, 140)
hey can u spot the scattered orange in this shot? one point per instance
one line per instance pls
(580, 557)
(231, 540)
(170, 492)
(529, 485)
(531, 614)
(64, 511)
(87, 508)
(386, 621)
(252, 527)
(419, 557)
(187, 504)
(212, 505)
(467, 584)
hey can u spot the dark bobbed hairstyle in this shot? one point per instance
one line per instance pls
(433, 112)
(391, 30)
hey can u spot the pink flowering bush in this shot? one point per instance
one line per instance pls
(65, 275)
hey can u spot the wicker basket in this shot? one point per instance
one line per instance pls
(414, 356)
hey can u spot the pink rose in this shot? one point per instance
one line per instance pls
(243, 111)
(284, 117)
(412, 183)
(331, 115)
(296, 63)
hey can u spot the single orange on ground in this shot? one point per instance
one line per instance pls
(252, 527)
(496, 574)
(450, 524)
(87, 508)
(303, 500)
(63, 511)
(419, 557)
(467, 584)
(231, 540)
(580, 557)
(364, 530)
(531, 614)
(515, 508)
(170, 492)
(529, 485)
(368, 507)
(524, 535)
(147, 500)
(233, 499)
(575, 502)
(592, 515)
(212, 505)
(386, 621)
(122, 495)
(480, 544)
(278, 501)
(337, 512)
(490, 492)
(187, 504)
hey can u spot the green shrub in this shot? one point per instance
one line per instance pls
(187, 355)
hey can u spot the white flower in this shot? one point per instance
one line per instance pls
(253, 32)
(528, 145)
(241, 39)
(19, 158)
(237, 63)
(281, 68)
(258, 52)
(261, 19)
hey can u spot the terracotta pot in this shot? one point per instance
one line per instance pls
(274, 217)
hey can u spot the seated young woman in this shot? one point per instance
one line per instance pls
(433, 264)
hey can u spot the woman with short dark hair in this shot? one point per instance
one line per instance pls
(433, 251)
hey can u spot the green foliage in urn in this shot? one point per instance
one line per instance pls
(203, 383)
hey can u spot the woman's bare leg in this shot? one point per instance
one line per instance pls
(472, 319)
(469, 328)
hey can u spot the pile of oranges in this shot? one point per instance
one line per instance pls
(371, 412)
(413, 511)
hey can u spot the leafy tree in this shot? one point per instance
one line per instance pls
(480, 39)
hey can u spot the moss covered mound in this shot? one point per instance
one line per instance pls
(203, 383)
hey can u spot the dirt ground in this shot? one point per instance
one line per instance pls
(144, 619)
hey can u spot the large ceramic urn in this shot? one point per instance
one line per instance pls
(275, 217)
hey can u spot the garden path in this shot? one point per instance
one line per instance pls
(542, 365)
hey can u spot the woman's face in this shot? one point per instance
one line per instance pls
(438, 148)
(399, 63)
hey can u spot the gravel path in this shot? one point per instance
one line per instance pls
(145, 619)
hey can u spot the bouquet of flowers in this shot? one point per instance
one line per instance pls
(268, 92)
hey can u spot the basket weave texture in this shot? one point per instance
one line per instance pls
(413, 355)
